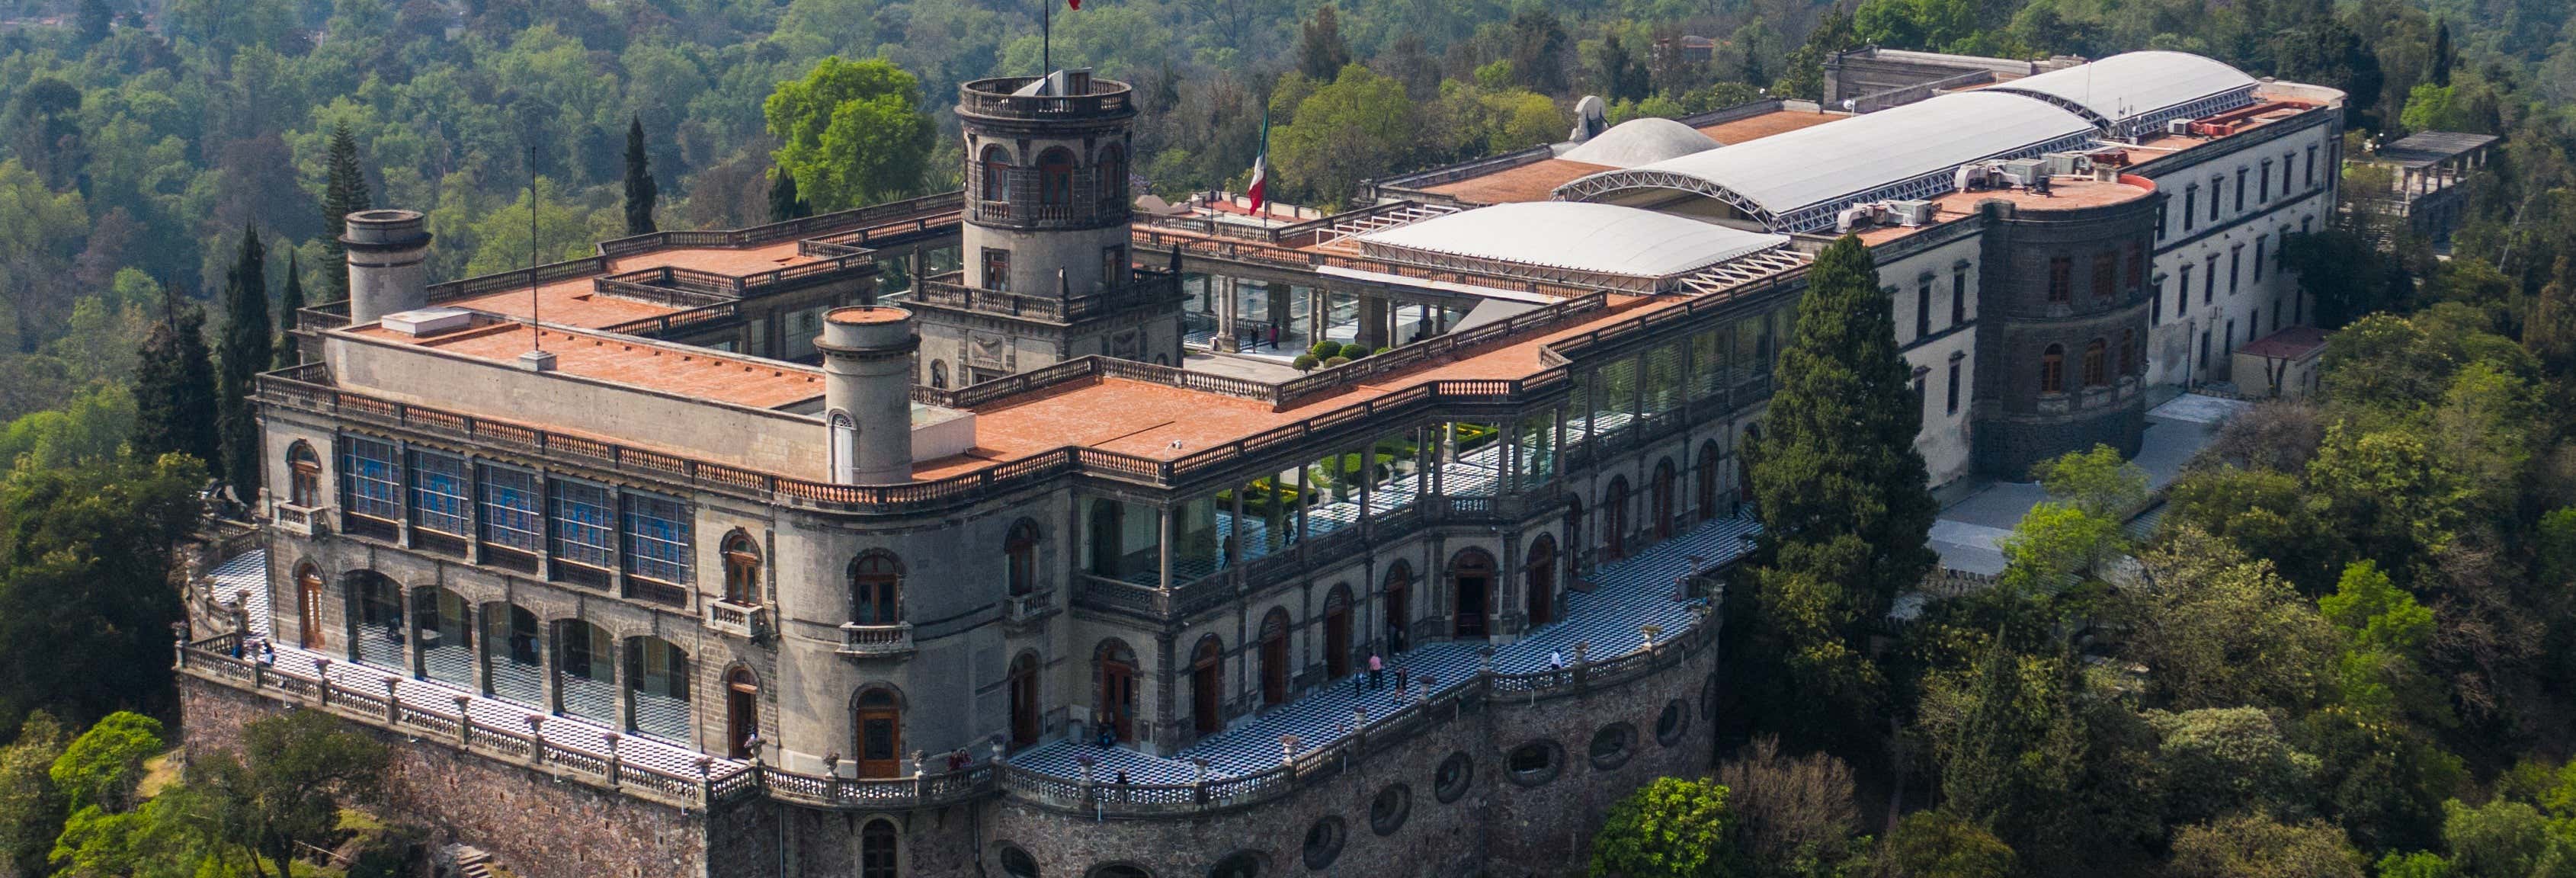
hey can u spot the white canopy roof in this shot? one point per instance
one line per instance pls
(1642, 141)
(1597, 238)
(1816, 165)
(2128, 86)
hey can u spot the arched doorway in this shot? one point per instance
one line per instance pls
(1024, 700)
(742, 711)
(1020, 558)
(1274, 658)
(877, 720)
(1117, 704)
(304, 476)
(1706, 473)
(1614, 520)
(657, 681)
(1337, 632)
(1471, 581)
(1399, 609)
(378, 639)
(1663, 499)
(1541, 577)
(742, 570)
(443, 631)
(587, 681)
(1207, 686)
(877, 850)
(511, 651)
(308, 606)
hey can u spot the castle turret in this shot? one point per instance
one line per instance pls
(388, 271)
(867, 393)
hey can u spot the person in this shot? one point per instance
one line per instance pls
(1108, 736)
(267, 651)
(1556, 660)
(1377, 668)
(1402, 675)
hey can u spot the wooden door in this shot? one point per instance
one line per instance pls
(1274, 669)
(1207, 689)
(1024, 701)
(742, 713)
(1337, 643)
(1118, 697)
(880, 733)
(308, 607)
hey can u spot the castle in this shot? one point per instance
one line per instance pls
(982, 533)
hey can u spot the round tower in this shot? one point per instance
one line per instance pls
(388, 271)
(1046, 183)
(867, 393)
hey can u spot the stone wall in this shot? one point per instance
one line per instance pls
(537, 826)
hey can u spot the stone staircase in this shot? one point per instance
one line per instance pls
(474, 862)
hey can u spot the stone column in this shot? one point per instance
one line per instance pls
(1222, 287)
(1372, 328)
(1278, 308)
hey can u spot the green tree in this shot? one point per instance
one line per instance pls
(2220, 762)
(1803, 75)
(2258, 847)
(2266, 513)
(94, 21)
(1358, 126)
(1673, 828)
(344, 192)
(1840, 488)
(104, 766)
(2220, 629)
(247, 348)
(85, 596)
(31, 811)
(2098, 481)
(852, 133)
(2502, 839)
(287, 786)
(1937, 844)
(784, 203)
(174, 388)
(641, 191)
(292, 300)
(1623, 74)
(38, 230)
(1321, 54)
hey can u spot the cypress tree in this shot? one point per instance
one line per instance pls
(246, 351)
(288, 352)
(174, 386)
(641, 191)
(343, 194)
(2442, 62)
(1840, 489)
(784, 204)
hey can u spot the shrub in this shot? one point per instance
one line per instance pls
(1332, 361)
(1356, 352)
(1304, 362)
(1326, 349)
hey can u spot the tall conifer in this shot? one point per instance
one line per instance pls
(784, 203)
(174, 386)
(641, 191)
(343, 193)
(247, 349)
(289, 302)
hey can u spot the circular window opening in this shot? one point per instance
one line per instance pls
(1613, 745)
(1388, 810)
(1121, 870)
(1535, 763)
(1324, 842)
(1017, 863)
(1449, 781)
(1708, 699)
(1244, 864)
(1674, 721)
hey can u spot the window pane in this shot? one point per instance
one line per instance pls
(511, 507)
(657, 538)
(439, 493)
(370, 480)
(582, 523)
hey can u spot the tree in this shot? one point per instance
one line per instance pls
(174, 388)
(784, 204)
(2259, 847)
(2502, 838)
(1537, 50)
(344, 192)
(1356, 127)
(85, 596)
(2551, 332)
(1804, 76)
(38, 231)
(31, 812)
(95, 21)
(1673, 828)
(104, 766)
(247, 348)
(1321, 54)
(2219, 762)
(2098, 481)
(2219, 629)
(1839, 485)
(289, 782)
(1793, 816)
(2262, 511)
(1623, 75)
(1937, 844)
(641, 191)
(2438, 69)
(852, 133)
(292, 300)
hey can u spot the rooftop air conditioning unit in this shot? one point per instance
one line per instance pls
(1971, 178)
(2178, 127)
(427, 321)
(1859, 216)
(2068, 164)
(2025, 172)
(1913, 214)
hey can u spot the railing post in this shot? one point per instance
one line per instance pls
(706, 783)
(1199, 781)
(536, 740)
(393, 702)
(464, 722)
(613, 758)
(322, 679)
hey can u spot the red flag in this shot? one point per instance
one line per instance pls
(1259, 189)
(1076, 4)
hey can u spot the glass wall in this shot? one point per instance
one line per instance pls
(1198, 537)
(1663, 390)
(1538, 448)
(510, 644)
(1333, 492)
(1614, 403)
(1471, 458)
(440, 620)
(1392, 485)
(589, 674)
(1708, 362)
(658, 675)
(1119, 541)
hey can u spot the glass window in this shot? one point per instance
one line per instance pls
(2190, 198)
(997, 269)
(2106, 274)
(2093, 364)
(511, 508)
(584, 523)
(2052, 369)
(657, 538)
(439, 493)
(1958, 296)
(2240, 189)
(1923, 309)
(2182, 300)
(2258, 257)
(1953, 405)
(2061, 280)
(370, 479)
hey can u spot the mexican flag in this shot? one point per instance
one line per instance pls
(1260, 188)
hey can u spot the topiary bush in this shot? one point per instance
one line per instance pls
(1336, 360)
(1304, 362)
(1357, 352)
(1326, 349)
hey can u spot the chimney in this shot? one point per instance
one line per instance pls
(387, 270)
(867, 393)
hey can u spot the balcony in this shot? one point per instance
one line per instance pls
(302, 521)
(876, 641)
(1024, 609)
(746, 622)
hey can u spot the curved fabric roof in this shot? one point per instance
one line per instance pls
(1640, 142)
(1592, 238)
(1812, 169)
(2134, 85)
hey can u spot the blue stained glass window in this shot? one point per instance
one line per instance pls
(657, 538)
(512, 508)
(370, 478)
(440, 493)
(585, 520)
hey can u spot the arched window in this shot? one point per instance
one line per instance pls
(2052, 369)
(1115, 708)
(1113, 176)
(1024, 700)
(939, 374)
(1706, 475)
(308, 606)
(304, 476)
(1541, 576)
(876, 589)
(657, 676)
(379, 639)
(1055, 177)
(1614, 519)
(1020, 557)
(586, 678)
(877, 843)
(996, 169)
(742, 711)
(2093, 364)
(845, 448)
(877, 723)
(515, 652)
(1337, 632)
(444, 631)
(1471, 581)
(1399, 608)
(1274, 658)
(1207, 686)
(742, 569)
(1663, 498)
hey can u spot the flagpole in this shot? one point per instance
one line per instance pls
(1046, 37)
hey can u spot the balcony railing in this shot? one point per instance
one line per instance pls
(1145, 287)
(993, 98)
(876, 640)
(1021, 609)
(302, 521)
(747, 622)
